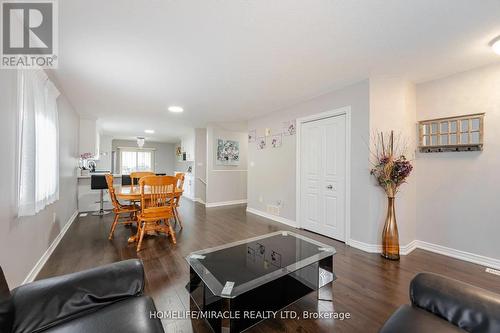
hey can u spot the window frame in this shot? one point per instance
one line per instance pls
(136, 150)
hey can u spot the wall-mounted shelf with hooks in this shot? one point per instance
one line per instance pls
(462, 133)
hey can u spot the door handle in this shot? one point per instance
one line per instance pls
(329, 187)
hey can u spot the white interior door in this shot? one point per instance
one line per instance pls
(323, 176)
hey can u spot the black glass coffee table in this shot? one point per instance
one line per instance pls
(237, 284)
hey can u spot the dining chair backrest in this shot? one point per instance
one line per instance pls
(180, 179)
(137, 175)
(111, 190)
(159, 194)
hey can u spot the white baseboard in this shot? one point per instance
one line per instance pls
(408, 248)
(375, 248)
(370, 248)
(418, 244)
(189, 198)
(272, 217)
(458, 254)
(225, 203)
(200, 201)
(41, 262)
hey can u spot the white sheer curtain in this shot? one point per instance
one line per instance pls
(38, 142)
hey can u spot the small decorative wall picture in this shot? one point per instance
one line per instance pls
(228, 152)
(261, 142)
(252, 136)
(289, 127)
(276, 141)
(178, 151)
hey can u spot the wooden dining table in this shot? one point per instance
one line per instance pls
(133, 193)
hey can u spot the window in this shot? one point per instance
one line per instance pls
(38, 142)
(136, 160)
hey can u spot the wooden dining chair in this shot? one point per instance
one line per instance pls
(127, 212)
(137, 175)
(134, 180)
(157, 206)
(177, 199)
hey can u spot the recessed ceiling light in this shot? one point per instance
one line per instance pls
(495, 45)
(149, 131)
(176, 109)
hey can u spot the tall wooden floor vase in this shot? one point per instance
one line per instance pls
(390, 236)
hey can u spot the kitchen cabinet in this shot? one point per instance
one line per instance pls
(187, 146)
(188, 185)
(105, 153)
(89, 137)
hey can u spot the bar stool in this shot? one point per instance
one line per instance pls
(98, 182)
(126, 180)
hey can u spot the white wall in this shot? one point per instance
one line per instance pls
(200, 163)
(226, 183)
(458, 194)
(24, 240)
(164, 154)
(272, 172)
(392, 107)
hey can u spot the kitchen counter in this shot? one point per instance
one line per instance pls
(116, 175)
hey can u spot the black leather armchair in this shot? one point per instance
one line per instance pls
(440, 304)
(104, 299)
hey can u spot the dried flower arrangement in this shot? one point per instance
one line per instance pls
(391, 168)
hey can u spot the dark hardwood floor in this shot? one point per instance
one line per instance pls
(368, 287)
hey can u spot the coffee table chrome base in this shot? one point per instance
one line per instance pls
(326, 279)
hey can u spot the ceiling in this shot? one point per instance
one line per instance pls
(124, 61)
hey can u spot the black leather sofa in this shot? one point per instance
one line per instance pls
(106, 299)
(440, 304)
